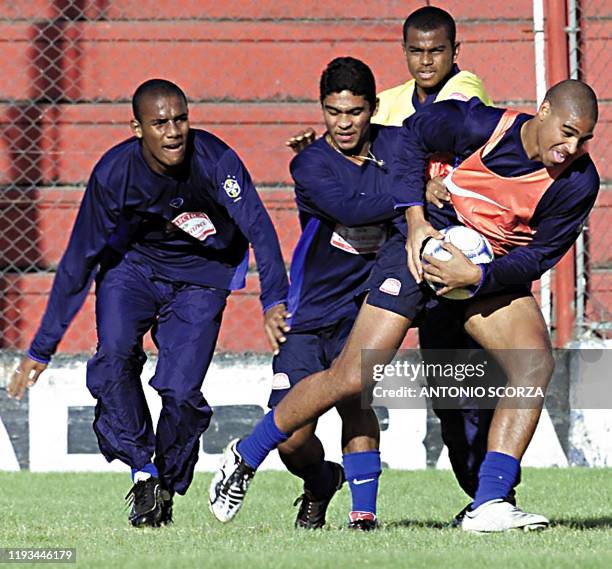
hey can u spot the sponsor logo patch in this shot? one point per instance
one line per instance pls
(364, 240)
(281, 381)
(391, 286)
(177, 202)
(196, 224)
(232, 187)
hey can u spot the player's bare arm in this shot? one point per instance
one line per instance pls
(26, 375)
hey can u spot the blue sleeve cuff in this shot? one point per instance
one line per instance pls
(404, 205)
(37, 358)
(483, 269)
(267, 307)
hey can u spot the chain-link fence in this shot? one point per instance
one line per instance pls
(590, 31)
(250, 70)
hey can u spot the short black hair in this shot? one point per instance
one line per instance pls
(154, 87)
(576, 95)
(348, 74)
(431, 18)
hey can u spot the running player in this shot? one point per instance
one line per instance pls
(340, 185)
(167, 216)
(529, 175)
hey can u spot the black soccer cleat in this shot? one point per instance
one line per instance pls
(145, 502)
(362, 521)
(166, 507)
(311, 514)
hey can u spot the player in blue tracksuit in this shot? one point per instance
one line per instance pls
(343, 198)
(525, 182)
(167, 217)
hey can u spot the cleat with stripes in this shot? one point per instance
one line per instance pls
(229, 484)
(145, 503)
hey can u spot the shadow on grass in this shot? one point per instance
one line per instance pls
(431, 524)
(583, 523)
(572, 523)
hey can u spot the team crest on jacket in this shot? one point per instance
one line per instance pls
(232, 187)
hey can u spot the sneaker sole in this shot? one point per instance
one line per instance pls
(143, 522)
(525, 529)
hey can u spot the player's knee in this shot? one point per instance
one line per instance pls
(119, 349)
(109, 366)
(346, 377)
(546, 366)
(184, 400)
(532, 367)
(295, 442)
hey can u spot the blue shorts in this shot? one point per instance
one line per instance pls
(305, 353)
(390, 284)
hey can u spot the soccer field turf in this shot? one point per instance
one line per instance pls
(85, 511)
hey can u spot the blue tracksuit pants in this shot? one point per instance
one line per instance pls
(185, 321)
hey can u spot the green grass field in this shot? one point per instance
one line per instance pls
(85, 511)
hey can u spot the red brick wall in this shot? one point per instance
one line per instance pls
(251, 70)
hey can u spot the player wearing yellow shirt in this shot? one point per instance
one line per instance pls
(431, 53)
(395, 104)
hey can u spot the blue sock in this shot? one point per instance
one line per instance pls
(497, 476)
(362, 470)
(149, 468)
(264, 438)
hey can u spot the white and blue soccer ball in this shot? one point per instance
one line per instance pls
(475, 247)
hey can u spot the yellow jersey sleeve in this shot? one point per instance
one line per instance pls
(463, 86)
(395, 104)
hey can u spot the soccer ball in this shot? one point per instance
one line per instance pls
(474, 246)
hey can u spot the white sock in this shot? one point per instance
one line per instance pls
(141, 476)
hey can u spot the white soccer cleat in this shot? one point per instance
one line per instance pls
(229, 484)
(498, 515)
